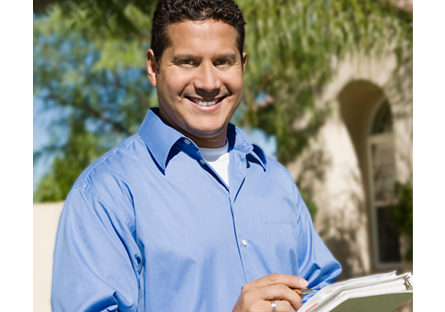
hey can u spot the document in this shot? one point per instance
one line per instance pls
(381, 292)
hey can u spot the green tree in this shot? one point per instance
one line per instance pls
(402, 214)
(90, 56)
(90, 77)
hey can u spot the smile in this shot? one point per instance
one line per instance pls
(204, 102)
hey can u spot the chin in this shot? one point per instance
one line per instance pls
(209, 126)
(207, 132)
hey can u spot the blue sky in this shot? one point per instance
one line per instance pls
(41, 137)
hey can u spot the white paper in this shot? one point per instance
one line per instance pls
(331, 296)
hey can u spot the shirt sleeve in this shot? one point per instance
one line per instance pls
(96, 259)
(316, 263)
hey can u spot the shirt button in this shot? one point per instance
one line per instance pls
(244, 242)
(186, 141)
(202, 161)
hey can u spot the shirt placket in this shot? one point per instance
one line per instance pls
(237, 176)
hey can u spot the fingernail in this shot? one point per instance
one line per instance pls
(303, 282)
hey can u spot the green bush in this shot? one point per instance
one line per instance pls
(402, 213)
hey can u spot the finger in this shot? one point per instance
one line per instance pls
(279, 292)
(281, 306)
(277, 278)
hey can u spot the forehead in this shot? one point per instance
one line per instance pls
(202, 37)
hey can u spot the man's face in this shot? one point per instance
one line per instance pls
(200, 80)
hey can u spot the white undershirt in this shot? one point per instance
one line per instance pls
(218, 158)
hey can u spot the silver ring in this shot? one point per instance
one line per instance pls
(273, 305)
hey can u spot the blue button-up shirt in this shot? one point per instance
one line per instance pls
(150, 226)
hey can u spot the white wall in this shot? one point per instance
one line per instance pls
(45, 221)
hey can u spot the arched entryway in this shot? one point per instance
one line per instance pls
(382, 178)
(367, 115)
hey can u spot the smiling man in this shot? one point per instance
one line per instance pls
(188, 214)
(199, 79)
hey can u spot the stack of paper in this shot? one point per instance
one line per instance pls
(381, 292)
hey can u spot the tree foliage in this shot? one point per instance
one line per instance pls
(90, 62)
(402, 214)
(292, 46)
(98, 83)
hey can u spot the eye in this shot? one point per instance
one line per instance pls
(222, 62)
(186, 63)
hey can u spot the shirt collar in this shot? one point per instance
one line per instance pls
(238, 140)
(160, 138)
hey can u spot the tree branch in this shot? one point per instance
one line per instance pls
(94, 113)
(41, 5)
(99, 115)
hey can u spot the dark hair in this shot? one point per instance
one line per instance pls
(169, 12)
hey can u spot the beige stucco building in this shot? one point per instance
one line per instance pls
(362, 149)
(351, 165)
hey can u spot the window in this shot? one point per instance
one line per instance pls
(381, 148)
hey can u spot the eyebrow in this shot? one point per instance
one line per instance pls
(178, 57)
(229, 56)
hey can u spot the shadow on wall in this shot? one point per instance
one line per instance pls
(312, 173)
(357, 101)
(336, 186)
(344, 230)
(400, 95)
(335, 168)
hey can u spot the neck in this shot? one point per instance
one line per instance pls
(210, 142)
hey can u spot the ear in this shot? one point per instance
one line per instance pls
(152, 67)
(244, 60)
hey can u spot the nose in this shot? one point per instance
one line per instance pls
(207, 83)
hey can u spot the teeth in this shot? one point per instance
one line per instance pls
(201, 103)
(204, 103)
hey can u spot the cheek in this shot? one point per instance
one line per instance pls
(235, 84)
(175, 83)
(173, 88)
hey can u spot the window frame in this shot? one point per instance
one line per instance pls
(372, 139)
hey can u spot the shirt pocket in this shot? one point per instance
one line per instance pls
(280, 234)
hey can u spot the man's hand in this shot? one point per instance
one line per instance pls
(256, 295)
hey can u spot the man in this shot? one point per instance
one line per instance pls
(188, 214)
